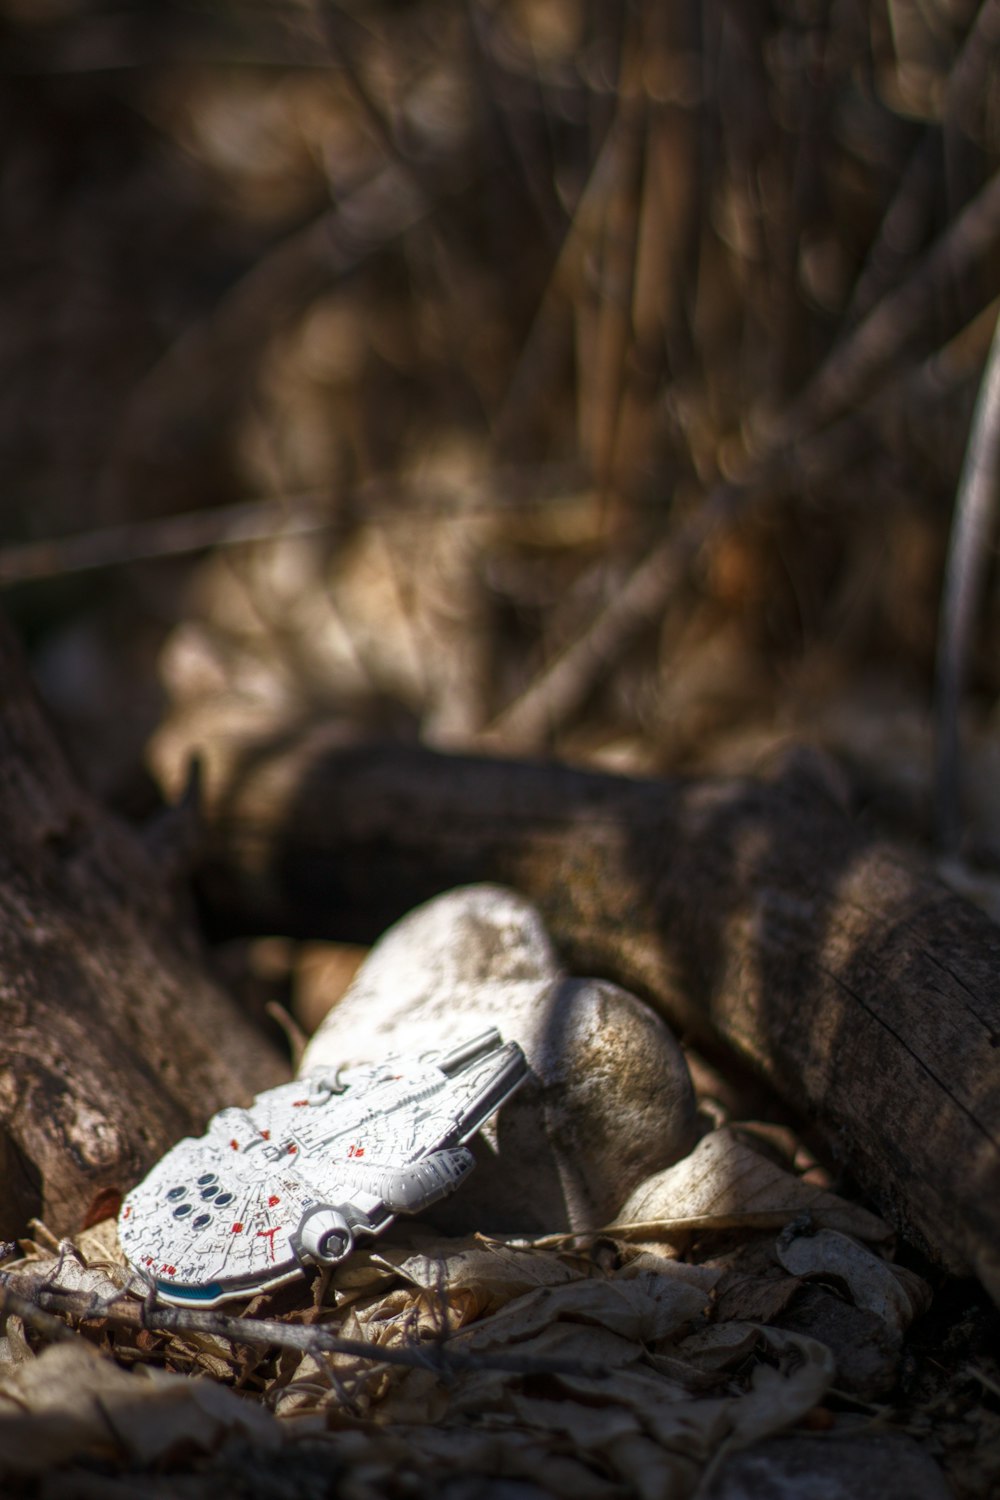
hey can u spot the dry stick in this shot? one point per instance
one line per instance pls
(562, 686)
(967, 80)
(537, 172)
(29, 1310)
(965, 575)
(427, 178)
(28, 1297)
(379, 501)
(903, 221)
(892, 244)
(936, 380)
(535, 359)
(845, 377)
(83, 45)
(868, 352)
(614, 331)
(215, 353)
(663, 281)
(164, 536)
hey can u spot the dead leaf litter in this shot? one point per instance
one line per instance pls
(634, 1361)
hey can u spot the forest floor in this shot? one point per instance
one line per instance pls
(596, 382)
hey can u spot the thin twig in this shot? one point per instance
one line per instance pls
(34, 1316)
(505, 489)
(965, 574)
(541, 346)
(614, 288)
(164, 536)
(19, 1292)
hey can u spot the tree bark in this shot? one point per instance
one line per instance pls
(865, 991)
(113, 1040)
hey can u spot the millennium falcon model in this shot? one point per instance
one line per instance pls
(293, 1180)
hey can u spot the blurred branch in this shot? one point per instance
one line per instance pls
(509, 488)
(965, 575)
(542, 347)
(166, 536)
(96, 43)
(561, 687)
(609, 331)
(966, 83)
(909, 208)
(216, 356)
(842, 382)
(870, 350)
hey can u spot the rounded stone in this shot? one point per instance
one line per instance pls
(608, 1100)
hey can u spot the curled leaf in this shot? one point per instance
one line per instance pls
(893, 1294)
(726, 1184)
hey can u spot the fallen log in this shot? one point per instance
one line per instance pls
(114, 1041)
(863, 989)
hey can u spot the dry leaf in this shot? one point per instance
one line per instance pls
(71, 1401)
(98, 1246)
(893, 1294)
(755, 1299)
(14, 1346)
(706, 1278)
(647, 1307)
(497, 1272)
(788, 1381)
(725, 1184)
(507, 1453)
(651, 1472)
(720, 1347)
(780, 1394)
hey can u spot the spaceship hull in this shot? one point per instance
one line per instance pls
(236, 1211)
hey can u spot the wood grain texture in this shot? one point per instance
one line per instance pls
(113, 1040)
(865, 991)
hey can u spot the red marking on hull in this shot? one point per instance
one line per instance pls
(234, 1145)
(273, 1200)
(127, 1211)
(266, 1134)
(268, 1234)
(237, 1228)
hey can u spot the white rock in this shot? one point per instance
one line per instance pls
(609, 1100)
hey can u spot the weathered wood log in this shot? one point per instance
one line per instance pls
(864, 990)
(113, 1039)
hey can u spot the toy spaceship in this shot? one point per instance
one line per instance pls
(291, 1181)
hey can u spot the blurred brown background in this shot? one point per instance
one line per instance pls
(562, 376)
